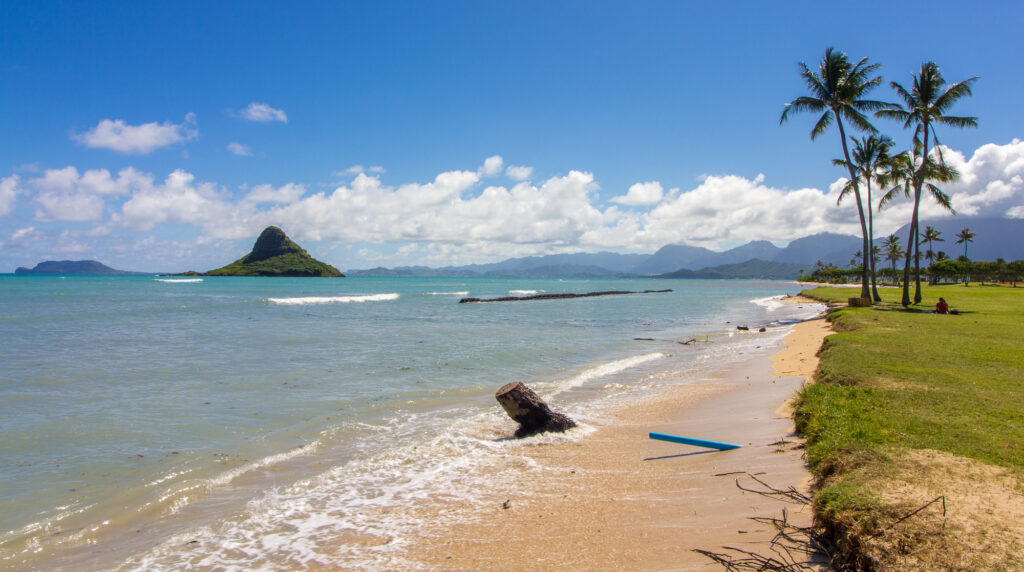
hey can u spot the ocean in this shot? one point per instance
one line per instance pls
(161, 423)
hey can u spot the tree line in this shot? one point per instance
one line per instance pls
(838, 90)
(938, 272)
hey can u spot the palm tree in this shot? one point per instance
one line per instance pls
(837, 91)
(929, 235)
(872, 162)
(925, 104)
(893, 251)
(857, 259)
(903, 173)
(963, 237)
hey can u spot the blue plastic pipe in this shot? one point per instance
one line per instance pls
(695, 442)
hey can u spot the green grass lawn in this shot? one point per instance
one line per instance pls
(893, 379)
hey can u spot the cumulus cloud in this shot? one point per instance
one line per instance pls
(649, 193)
(239, 149)
(179, 199)
(117, 135)
(66, 195)
(991, 182)
(8, 193)
(357, 169)
(268, 194)
(458, 218)
(492, 166)
(519, 172)
(263, 113)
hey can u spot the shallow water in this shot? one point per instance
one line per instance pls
(254, 422)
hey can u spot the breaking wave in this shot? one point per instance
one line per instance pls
(305, 300)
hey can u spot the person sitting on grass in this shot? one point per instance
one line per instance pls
(942, 307)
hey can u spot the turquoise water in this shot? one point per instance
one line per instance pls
(139, 414)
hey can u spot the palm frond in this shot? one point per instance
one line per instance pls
(940, 197)
(802, 104)
(953, 93)
(908, 99)
(822, 125)
(960, 122)
(858, 120)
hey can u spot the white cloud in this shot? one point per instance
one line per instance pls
(492, 166)
(457, 218)
(57, 206)
(66, 195)
(142, 139)
(268, 194)
(23, 233)
(519, 172)
(8, 193)
(263, 113)
(239, 149)
(648, 193)
(357, 169)
(180, 200)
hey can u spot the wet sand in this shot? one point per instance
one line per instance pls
(617, 500)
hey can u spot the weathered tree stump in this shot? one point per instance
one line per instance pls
(529, 410)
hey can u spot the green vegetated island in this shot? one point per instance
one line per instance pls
(915, 431)
(274, 254)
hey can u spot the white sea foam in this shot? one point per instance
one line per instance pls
(602, 370)
(179, 280)
(361, 514)
(524, 292)
(771, 302)
(462, 293)
(305, 300)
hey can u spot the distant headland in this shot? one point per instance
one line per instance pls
(72, 267)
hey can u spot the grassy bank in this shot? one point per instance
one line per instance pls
(910, 407)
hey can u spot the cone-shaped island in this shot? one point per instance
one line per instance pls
(274, 254)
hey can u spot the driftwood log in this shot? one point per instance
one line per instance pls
(529, 410)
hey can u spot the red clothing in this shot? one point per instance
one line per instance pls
(942, 307)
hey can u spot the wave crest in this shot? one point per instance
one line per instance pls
(305, 300)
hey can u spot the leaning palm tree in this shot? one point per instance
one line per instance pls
(924, 105)
(963, 237)
(893, 252)
(903, 174)
(837, 91)
(872, 163)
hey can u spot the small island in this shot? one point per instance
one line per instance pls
(274, 254)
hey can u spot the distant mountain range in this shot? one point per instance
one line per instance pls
(995, 238)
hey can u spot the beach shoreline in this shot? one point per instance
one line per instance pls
(615, 499)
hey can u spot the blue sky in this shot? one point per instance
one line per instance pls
(165, 136)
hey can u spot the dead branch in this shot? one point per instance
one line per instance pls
(912, 513)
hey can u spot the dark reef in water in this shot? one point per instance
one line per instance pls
(558, 296)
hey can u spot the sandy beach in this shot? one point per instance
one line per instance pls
(617, 500)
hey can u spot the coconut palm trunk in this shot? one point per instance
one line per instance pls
(865, 289)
